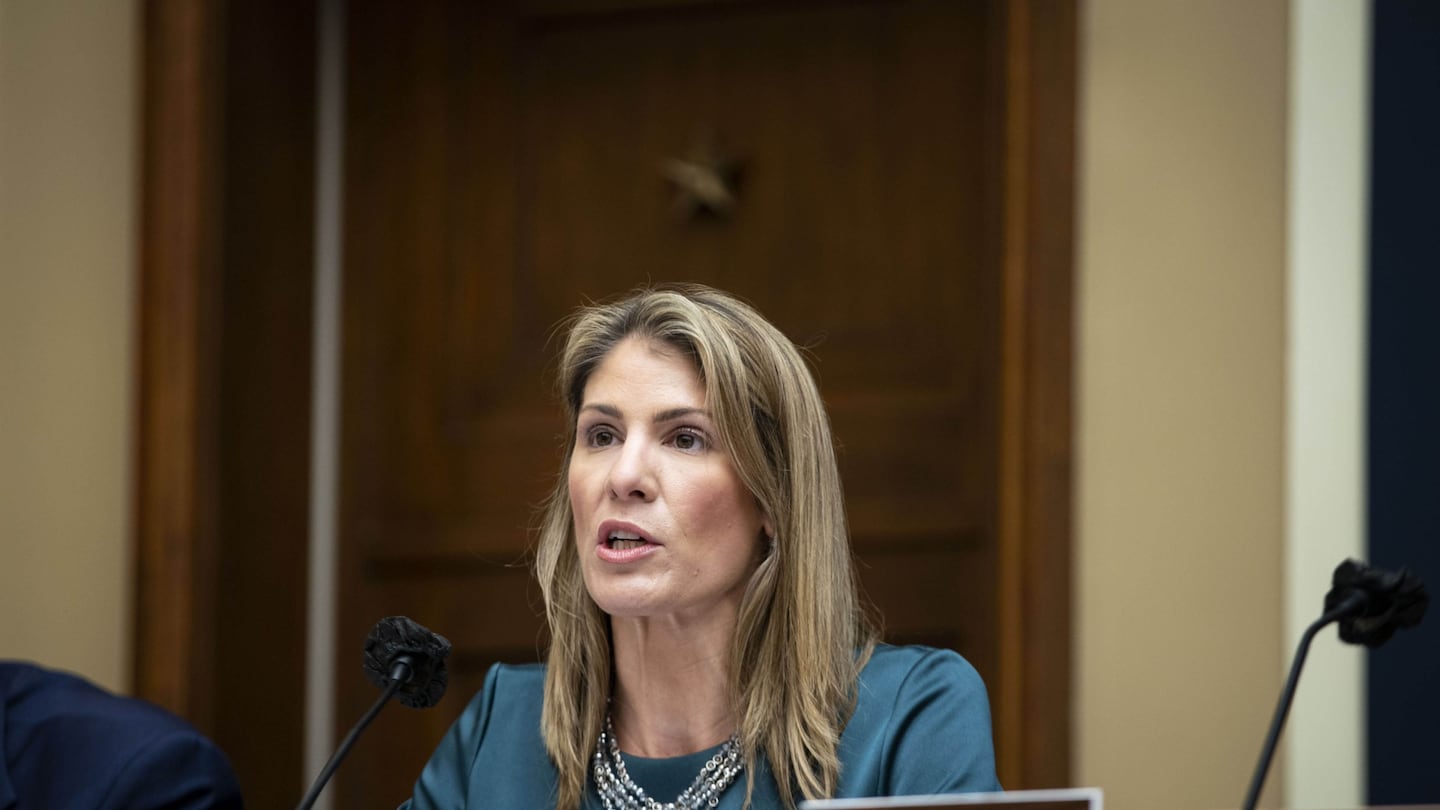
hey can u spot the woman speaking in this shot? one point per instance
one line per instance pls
(708, 648)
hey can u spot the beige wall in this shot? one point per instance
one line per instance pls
(67, 253)
(1181, 303)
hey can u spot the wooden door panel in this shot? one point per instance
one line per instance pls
(845, 177)
(505, 165)
(907, 462)
(859, 231)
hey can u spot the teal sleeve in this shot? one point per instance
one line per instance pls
(921, 726)
(939, 737)
(444, 784)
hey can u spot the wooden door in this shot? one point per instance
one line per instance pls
(506, 163)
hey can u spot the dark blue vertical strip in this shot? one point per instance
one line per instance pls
(1404, 389)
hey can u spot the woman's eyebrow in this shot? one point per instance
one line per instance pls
(672, 414)
(608, 410)
(667, 415)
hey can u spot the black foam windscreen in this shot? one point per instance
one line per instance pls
(1393, 599)
(396, 636)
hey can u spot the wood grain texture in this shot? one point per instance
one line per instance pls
(263, 390)
(175, 499)
(1033, 705)
(223, 412)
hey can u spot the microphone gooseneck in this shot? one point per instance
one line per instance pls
(402, 658)
(1370, 605)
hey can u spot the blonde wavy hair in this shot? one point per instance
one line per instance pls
(801, 635)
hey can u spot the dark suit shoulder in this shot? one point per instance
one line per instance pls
(70, 743)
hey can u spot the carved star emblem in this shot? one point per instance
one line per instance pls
(705, 183)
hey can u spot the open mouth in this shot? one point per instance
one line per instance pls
(622, 540)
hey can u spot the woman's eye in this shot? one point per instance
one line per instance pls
(686, 440)
(600, 437)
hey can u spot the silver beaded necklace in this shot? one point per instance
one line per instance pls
(619, 792)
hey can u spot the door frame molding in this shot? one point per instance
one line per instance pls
(224, 298)
(175, 464)
(1033, 717)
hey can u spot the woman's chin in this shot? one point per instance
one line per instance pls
(622, 603)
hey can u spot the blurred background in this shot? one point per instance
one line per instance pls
(1123, 310)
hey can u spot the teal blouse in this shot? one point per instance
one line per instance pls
(921, 726)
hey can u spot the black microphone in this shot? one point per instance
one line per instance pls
(1370, 605)
(397, 640)
(1391, 600)
(401, 657)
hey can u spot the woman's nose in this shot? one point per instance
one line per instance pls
(632, 475)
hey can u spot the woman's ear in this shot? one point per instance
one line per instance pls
(767, 529)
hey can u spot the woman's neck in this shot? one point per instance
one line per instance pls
(672, 687)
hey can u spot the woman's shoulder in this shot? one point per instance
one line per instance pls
(492, 755)
(512, 688)
(893, 667)
(523, 677)
(921, 725)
